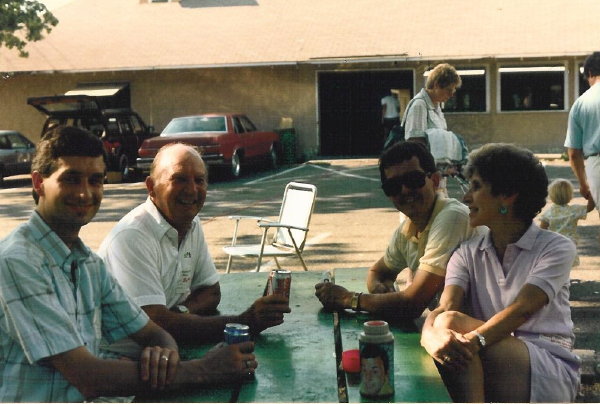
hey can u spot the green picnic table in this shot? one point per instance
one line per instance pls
(297, 360)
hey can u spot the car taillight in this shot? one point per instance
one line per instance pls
(111, 147)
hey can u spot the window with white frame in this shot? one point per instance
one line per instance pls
(471, 96)
(532, 88)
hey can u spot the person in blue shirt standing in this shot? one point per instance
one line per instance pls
(57, 300)
(583, 133)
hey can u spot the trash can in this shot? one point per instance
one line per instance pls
(287, 137)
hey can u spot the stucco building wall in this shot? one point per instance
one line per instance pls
(269, 93)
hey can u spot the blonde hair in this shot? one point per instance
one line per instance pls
(560, 191)
(444, 75)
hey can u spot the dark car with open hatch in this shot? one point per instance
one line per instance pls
(121, 130)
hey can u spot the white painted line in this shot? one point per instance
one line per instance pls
(274, 175)
(345, 173)
(270, 265)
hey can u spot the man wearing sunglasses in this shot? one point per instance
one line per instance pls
(433, 226)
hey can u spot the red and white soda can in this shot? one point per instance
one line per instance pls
(279, 283)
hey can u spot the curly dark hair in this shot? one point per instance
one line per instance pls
(405, 151)
(512, 170)
(64, 141)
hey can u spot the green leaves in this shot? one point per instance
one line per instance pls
(23, 21)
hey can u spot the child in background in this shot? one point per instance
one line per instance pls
(562, 217)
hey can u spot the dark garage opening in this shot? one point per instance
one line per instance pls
(350, 109)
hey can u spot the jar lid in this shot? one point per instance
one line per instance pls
(376, 327)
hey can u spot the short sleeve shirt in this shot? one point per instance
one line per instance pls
(540, 257)
(583, 131)
(430, 250)
(421, 114)
(391, 105)
(142, 252)
(563, 219)
(48, 306)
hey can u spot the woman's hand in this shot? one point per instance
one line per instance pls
(449, 348)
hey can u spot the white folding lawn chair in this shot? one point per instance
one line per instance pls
(291, 228)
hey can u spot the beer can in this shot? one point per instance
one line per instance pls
(279, 283)
(235, 333)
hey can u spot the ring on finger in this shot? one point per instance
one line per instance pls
(447, 359)
(165, 358)
(247, 364)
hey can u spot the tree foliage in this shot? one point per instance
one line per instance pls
(23, 21)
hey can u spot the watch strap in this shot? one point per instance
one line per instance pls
(480, 338)
(355, 301)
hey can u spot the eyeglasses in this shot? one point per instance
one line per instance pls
(413, 180)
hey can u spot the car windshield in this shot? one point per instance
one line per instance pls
(196, 124)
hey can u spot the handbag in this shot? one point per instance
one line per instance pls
(396, 134)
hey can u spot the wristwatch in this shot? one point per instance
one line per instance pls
(481, 338)
(355, 301)
(180, 308)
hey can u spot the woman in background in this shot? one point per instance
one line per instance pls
(424, 111)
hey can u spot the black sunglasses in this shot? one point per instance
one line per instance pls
(413, 180)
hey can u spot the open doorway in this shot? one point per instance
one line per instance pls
(350, 109)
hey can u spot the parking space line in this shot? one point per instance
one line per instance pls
(269, 265)
(274, 175)
(344, 173)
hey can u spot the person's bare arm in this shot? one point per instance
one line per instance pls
(408, 303)
(437, 340)
(590, 205)
(381, 278)
(265, 312)
(95, 377)
(204, 300)
(576, 159)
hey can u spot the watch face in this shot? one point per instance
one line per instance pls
(180, 308)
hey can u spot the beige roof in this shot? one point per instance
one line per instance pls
(129, 34)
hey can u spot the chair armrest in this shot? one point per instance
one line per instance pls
(257, 218)
(275, 224)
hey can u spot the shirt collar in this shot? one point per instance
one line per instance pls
(427, 99)
(53, 245)
(526, 242)
(409, 229)
(160, 220)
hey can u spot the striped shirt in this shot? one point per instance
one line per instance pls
(53, 300)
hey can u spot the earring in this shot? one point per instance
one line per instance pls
(503, 210)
